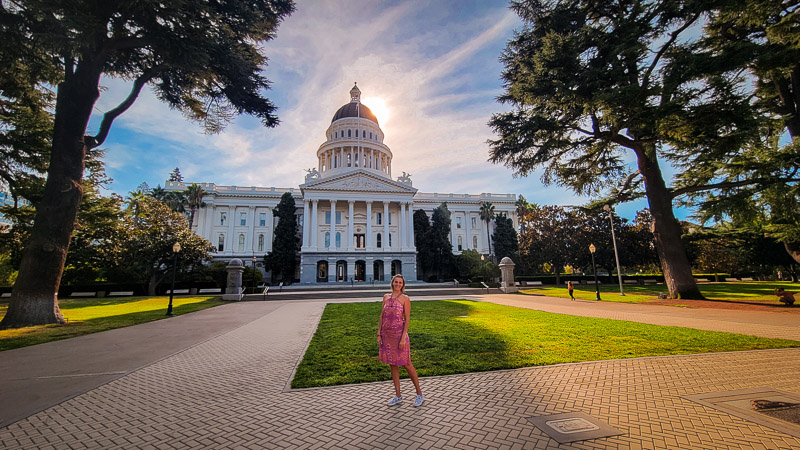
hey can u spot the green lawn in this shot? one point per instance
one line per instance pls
(755, 291)
(86, 316)
(458, 336)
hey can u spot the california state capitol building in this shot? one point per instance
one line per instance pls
(355, 216)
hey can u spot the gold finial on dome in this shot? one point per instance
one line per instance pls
(355, 94)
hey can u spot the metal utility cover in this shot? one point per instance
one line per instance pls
(573, 426)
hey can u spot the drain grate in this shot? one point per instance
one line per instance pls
(765, 406)
(573, 426)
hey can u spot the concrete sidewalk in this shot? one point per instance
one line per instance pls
(229, 388)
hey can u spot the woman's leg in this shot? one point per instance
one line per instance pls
(412, 373)
(396, 379)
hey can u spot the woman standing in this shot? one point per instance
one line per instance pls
(393, 338)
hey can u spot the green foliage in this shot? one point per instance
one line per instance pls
(505, 238)
(194, 198)
(468, 263)
(282, 260)
(459, 336)
(486, 215)
(438, 243)
(422, 228)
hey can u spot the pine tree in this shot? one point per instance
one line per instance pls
(505, 238)
(282, 260)
(176, 176)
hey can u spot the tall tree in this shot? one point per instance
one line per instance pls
(486, 215)
(194, 198)
(203, 58)
(282, 259)
(441, 248)
(175, 176)
(505, 238)
(593, 82)
(422, 226)
(546, 237)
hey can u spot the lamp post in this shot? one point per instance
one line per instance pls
(614, 240)
(254, 274)
(594, 269)
(175, 249)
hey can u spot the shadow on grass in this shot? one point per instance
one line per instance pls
(344, 347)
(23, 337)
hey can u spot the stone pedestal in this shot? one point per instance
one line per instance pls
(507, 273)
(233, 290)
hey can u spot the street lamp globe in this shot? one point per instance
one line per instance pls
(592, 248)
(176, 247)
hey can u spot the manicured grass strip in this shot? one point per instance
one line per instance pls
(458, 336)
(85, 316)
(755, 291)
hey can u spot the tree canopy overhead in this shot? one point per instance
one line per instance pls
(201, 57)
(594, 84)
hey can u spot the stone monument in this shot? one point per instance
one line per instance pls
(233, 290)
(507, 272)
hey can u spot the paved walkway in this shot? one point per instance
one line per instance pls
(229, 389)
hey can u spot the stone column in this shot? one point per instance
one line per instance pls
(468, 219)
(453, 231)
(270, 231)
(350, 204)
(314, 214)
(402, 226)
(306, 225)
(333, 224)
(386, 227)
(411, 244)
(233, 288)
(231, 240)
(251, 230)
(208, 225)
(368, 243)
(387, 270)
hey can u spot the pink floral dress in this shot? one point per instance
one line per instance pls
(391, 332)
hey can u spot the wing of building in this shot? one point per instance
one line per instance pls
(356, 221)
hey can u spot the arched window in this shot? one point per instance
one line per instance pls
(475, 242)
(460, 243)
(222, 218)
(261, 242)
(221, 243)
(378, 240)
(349, 133)
(241, 243)
(338, 239)
(328, 239)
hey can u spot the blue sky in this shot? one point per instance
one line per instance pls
(432, 65)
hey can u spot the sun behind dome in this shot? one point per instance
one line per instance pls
(355, 108)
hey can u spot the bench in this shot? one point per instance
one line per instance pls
(177, 291)
(120, 294)
(746, 279)
(630, 282)
(266, 291)
(210, 291)
(5, 294)
(533, 283)
(83, 294)
(651, 281)
(485, 286)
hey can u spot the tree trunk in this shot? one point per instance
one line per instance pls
(34, 298)
(152, 284)
(666, 230)
(793, 248)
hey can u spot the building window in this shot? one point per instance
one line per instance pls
(262, 219)
(363, 133)
(300, 219)
(473, 222)
(241, 243)
(360, 241)
(370, 134)
(261, 242)
(390, 240)
(379, 218)
(338, 240)
(378, 240)
(474, 241)
(338, 217)
(327, 217)
(349, 133)
(460, 243)
(328, 239)
(221, 243)
(458, 222)
(223, 217)
(242, 219)
(390, 222)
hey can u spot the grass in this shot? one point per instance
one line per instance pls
(85, 316)
(459, 336)
(754, 292)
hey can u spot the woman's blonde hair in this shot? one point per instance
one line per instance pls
(399, 275)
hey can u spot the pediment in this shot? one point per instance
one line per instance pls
(359, 181)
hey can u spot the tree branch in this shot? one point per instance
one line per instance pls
(110, 116)
(673, 37)
(731, 184)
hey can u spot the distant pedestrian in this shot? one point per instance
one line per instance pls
(570, 289)
(393, 343)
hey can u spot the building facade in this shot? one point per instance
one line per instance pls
(356, 220)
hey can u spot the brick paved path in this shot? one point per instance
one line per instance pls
(231, 391)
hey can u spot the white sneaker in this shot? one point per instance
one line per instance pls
(418, 400)
(395, 400)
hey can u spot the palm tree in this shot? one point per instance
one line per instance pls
(175, 200)
(487, 214)
(158, 193)
(134, 200)
(522, 207)
(194, 196)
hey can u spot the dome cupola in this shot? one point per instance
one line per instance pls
(355, 108)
